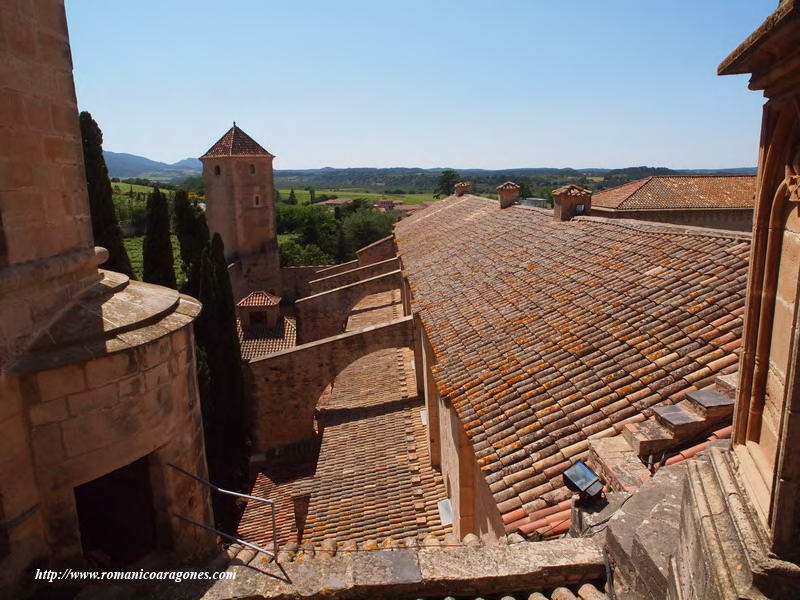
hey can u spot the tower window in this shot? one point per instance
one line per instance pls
(257, 201)
(216, 170)
(252, 169)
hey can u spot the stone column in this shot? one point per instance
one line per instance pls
(766, 436)
(741, 513)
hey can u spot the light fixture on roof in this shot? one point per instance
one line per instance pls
(578, 477)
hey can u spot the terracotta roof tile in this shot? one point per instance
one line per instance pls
(259, 299)
(546, 333)
(260, 340)
(372, 477)
(680, 192)
(235, 142)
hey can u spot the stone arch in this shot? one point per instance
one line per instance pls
(286, 386)
(325, 314)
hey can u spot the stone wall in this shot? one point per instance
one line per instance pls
(383, 249)
(732, 219)
(342, 278)
(474, 508)
(84, 389)
(241, 208)
(43, 208)
(333, 269)
(86, 418)
(325, 314)
(294, 281)
(286, 386)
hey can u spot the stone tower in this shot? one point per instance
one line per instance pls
(237, 173)
(98, 387)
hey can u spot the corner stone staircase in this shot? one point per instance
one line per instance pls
(642, 536)
(674, 425)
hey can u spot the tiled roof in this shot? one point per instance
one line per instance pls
(680, 192)
(259, 299)
(372, 479)
(236, 143)
(572, 190)
(508, 185)
(546, 332)
(260, 340)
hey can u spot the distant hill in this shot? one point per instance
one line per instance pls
(124, 165)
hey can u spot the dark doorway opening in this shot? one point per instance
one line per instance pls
(116, 516)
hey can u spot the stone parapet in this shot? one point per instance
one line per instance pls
(446, 567)
(325, 314)
(383, 249)
(342, 278)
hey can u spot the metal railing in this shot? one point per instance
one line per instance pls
(216, 488)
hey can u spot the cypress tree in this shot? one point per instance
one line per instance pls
(292, 199)
(105, 227)
(191, 228)
(157, 261)
(224, 403)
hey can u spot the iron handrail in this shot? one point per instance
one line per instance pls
(216, 488)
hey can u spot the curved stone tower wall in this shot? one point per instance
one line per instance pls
(96, 372)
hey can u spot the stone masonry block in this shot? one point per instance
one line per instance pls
(48, 448)
(49, 412)
(60, 382)
(157, 377)
(92, 399)
(110, 368)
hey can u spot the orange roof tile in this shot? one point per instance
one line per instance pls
(546, 332)
(259, 299)
(235, 142)
(662, 192)
(373, 476)
(260, 340)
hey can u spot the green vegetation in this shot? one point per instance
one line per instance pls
(304, 196)
(133, 246)
(313, 234)
(446, 183)
(157, 262)
(221, 382)
(192, 232)
(105, 226)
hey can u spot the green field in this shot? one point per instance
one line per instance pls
(304, 198)
(133, 245)
(124, 188)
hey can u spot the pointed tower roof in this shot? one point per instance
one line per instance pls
(235, 143)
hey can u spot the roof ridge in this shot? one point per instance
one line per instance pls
(668, 228)
(232, 145)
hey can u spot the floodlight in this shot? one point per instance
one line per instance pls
(578, 477)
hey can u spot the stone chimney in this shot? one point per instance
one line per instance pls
(461, 188)
(508, 193)
(570, 201)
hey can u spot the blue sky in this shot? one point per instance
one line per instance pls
(423, 83)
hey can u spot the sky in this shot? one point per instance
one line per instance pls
(465, 84)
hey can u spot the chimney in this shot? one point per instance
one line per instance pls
(508, 193)
(462, 187)
(570, 201)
